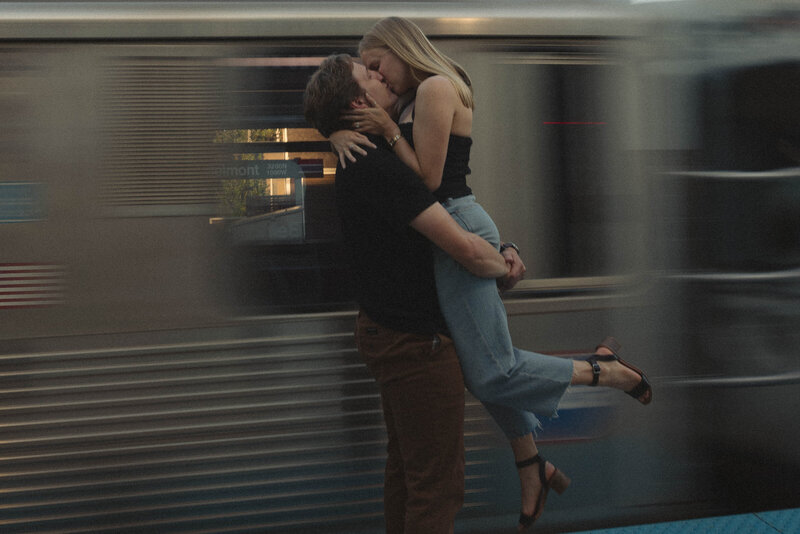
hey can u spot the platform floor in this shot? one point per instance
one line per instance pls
(772, 522)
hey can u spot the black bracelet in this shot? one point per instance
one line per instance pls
(508, 244)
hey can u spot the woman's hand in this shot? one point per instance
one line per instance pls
(345, 142)
(372, 120)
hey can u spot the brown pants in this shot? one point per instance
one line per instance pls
(422, 392)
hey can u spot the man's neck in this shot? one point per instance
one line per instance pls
(404, 107)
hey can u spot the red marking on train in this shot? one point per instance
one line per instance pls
(30, 285)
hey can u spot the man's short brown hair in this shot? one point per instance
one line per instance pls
(329, 93)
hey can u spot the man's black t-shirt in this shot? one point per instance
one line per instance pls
(391, 263)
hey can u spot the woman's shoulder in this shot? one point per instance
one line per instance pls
(440, 97)
(436, 86)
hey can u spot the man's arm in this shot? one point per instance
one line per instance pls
(476, 254)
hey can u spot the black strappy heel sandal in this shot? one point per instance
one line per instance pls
(642, 392)
(557, 481)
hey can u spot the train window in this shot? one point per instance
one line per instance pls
(748, 156)
(277, 207)
(750, 117)
(548, 162)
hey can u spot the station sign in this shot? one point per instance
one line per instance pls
(260, 170)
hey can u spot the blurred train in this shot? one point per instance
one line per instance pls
(176, 349)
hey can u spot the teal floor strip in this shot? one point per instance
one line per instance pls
(779, 521)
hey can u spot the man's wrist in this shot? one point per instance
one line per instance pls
(507, 245)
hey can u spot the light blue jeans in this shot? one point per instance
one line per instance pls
(512, 384)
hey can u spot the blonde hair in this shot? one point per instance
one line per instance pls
(406, 40)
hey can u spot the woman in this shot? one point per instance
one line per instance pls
(433, 138)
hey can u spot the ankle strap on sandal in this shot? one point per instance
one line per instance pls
(529, 461)
(595, 371)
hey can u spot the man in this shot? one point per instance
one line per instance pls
(389, 219)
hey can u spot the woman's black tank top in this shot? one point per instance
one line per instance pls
(456, 164)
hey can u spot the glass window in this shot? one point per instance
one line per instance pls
(277, 208)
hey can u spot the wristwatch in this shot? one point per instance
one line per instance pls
(508, 244)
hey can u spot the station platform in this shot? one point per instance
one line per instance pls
(771, 522)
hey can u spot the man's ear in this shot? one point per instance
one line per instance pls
(360, 102)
